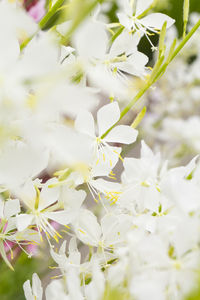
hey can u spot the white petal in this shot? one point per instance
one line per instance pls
(125, 21)
(74, 254)
(56, 291)
(91, 40)
(72, 198)
(74, 285)
(63, 217)
(95, 289)
(9, 50)
(11, 208)
(125, 7)
(37, 287)
(135, 64)
(73, 244)
(20, 161)
(122, 134)
(27, 194)
(48, 195)
(142, 5)
(146, 151)
(115, 228)
(133, 169)
(156, 21)
(106, 161)
(107, 116)
(23, 221)
(40, 56)
(124, 43)
(27, 290)
(87, 228)
(105, 186)
(84, 123)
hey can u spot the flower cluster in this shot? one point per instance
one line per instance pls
(62, 148)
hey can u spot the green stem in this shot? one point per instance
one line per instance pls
(151, 81)
(177, 50)
(186, 39)
(50, 13)
(186, 8)
(119, 31)
(43, 22)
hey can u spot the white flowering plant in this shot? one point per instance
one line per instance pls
(77, 98)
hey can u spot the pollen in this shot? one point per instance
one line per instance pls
(112, 196)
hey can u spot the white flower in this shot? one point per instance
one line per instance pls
(141, 182)
(110, 234)
(107, 116)
(107, 66)
(130, 18)
(36, 292)
(41, 207)
(56, 290)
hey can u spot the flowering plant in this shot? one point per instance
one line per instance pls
(73, 86)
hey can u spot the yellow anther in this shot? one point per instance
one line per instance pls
(41, 239)
(112, 196)
(58, 234)
(145, 184)
(118, 154)
(11, 254)
(158, 189)
(67, 226)
(55, 238)
(82, 231)
(112, 177)
(37, 199)
(54, 277)
(47, 235)
(64, 231)
(52, 268)
(111, 172)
